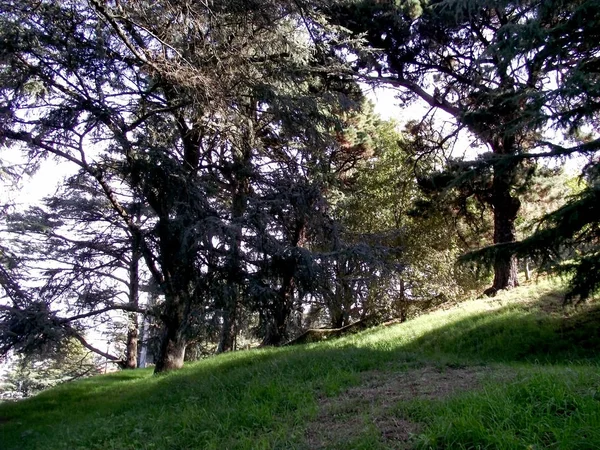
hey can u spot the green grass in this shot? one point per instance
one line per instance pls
(541, 390)
(545, 407)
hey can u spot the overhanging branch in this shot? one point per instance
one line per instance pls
(91, 348)
(126, 308)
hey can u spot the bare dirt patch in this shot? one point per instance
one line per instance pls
(426, 382)
(369, 404)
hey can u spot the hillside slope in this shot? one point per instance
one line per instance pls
(515, 371)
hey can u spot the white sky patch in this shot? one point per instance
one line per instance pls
(30, 189)
(388, 106)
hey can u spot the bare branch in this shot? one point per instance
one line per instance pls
(91, 348)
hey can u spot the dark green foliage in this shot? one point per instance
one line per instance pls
(80, 266)
(565, 241)
(569, 240)
(422, 248)
(31, 329)
(227, 141)
(225, 138)
(33, 374)
(490, 66)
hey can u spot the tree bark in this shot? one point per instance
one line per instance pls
(231, 305)
(276, 329)
(131, 361)
(506, 209)
(174, 339)
(178, 266)
(276, 332)
(402, 303)
(343, 297)
(131, 352)
(229, 331)
(172, 351)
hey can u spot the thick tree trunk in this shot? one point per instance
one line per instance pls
(276, 328)
(229, 331)
(131, 351)
(505, 273)
(172, 352)
(178, 266)
(276, 332)
(505, 266)
(342, 298)
(174, 340)
(506, 208)
(337, 318)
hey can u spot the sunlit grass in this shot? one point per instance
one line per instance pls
(268, 398)
(549, 407)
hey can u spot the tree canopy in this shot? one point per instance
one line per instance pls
(226, 161)
(518, 76)
(208, 115)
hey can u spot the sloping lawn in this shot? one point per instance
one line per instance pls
(515, 371)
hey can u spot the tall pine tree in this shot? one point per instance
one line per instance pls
(508, 72)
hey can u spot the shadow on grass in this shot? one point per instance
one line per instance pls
(263, 398)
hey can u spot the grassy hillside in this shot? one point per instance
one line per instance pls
(516, 371)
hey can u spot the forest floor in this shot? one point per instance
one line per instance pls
(515, 371)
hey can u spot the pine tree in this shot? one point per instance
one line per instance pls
(79, 265)
(177, 104)
(488, 65)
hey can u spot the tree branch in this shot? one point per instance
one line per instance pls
(91, 348)
(127, 308)
(435, 102)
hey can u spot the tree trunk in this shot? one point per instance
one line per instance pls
(131, 361)
(229, 331)
(276, 328)
(240, 187)
(172, 352)
(231, 305)
(178, 286)
(505, 273)
(505, 265)
(276, 331)
(172, 346)
(234, 269)
(402, 307)
(338, 317)
(342, 298)
(506, 208)
(131, 352)
(174, 339)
